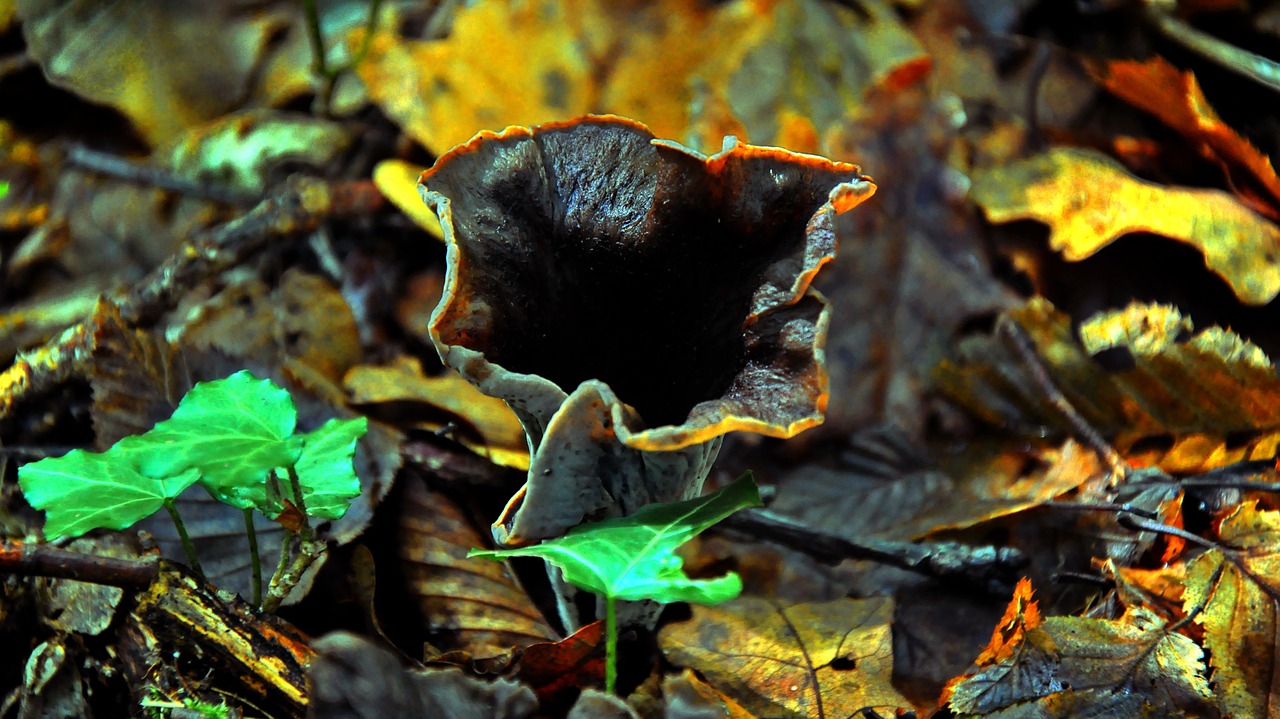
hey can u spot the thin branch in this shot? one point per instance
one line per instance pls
(1264, 71)
(992, 568)
(1080, 427)
(44, 560)
(111, 165)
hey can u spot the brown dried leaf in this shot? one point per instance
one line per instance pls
(477, 606)
(1088, 201)
(1070, 667)
(1197, 389)
(305, 320)
(830, 658)
(1236, 593)
(489, 427)
(882, 493)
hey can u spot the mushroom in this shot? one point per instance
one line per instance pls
(633, 300)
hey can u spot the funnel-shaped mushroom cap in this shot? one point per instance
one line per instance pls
(633, 301)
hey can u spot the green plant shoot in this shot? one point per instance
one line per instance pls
(233, 436)
(634, 557)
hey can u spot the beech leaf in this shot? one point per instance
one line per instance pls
(634, 557)
(234, 430)
(81, 491)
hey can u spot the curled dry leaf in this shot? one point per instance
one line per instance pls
(799, 660)
(1089, 201)
(1197, 388)
(1234, 593)
(1175, 97)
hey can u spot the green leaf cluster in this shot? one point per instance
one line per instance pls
(234, 436)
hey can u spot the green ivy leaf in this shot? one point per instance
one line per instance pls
(234, 430)
(82, 490)
(634, 557)
(324, 468)
(325, 471)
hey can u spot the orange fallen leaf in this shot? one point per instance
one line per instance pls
(1089, 201)
(1175, 98)
(1021, 616)
(1236, 594)
(800, 660)
(575, 662)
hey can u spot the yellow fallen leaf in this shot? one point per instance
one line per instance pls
(397, 180)
(1088, 201)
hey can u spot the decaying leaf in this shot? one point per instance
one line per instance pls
(1197, 388)
(475, 606)
(1021, 616)
(1175, 97)
(802, 660)
(357, 679)
(771, 70)
(487, 425)
(1089, 201)
(1071, 667)
(575, 662)
(888, 489)
(239, 151)
(1236, 594)
(162, 66)
(304, 320)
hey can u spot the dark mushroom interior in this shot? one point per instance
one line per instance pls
(604, 256)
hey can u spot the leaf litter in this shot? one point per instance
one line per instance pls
(1037, 165)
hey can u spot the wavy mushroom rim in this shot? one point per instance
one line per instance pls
(840, 199)
(668, 437)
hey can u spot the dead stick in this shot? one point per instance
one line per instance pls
(43, 560)
(1080, 427)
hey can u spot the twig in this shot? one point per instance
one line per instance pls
(1080, 427)
(1264, 71)
(298, 206)
(44, 560)
(105, 163)
(992, 568)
